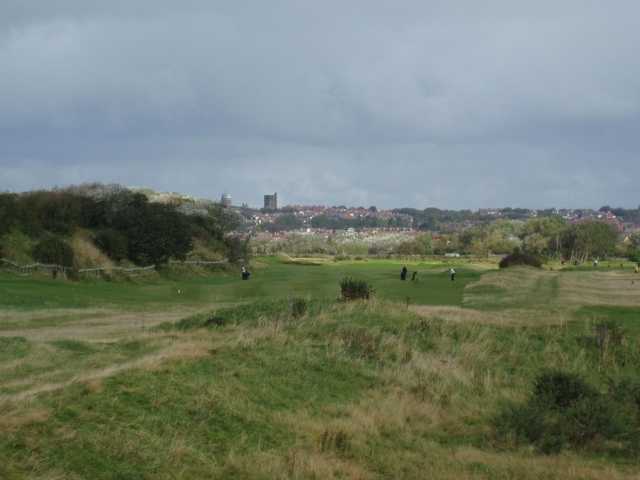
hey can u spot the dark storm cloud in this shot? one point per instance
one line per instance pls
(455, 104)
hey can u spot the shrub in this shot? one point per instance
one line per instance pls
(520, 258)
(113, 243)
(52, 249)
(564, 411)
(299, 307)
(558, 390)
(352, 289)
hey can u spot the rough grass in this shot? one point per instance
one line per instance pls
(16, 246)
(360, 390)
(86, 254)
(525, 287)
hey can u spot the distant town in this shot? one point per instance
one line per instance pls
(274, 218)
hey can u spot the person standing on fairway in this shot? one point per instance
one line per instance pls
(452, 274)
(403, 273)
(245, 273)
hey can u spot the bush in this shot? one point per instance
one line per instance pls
(113, 243)
(53, 250)
(634, 256)
(352, 289)
(299, 307)
(520, 258)
(564, 411)
(558, 390)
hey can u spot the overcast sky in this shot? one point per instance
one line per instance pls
(453, 104)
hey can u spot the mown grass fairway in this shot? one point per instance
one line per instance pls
(271, 279)
(104, 380)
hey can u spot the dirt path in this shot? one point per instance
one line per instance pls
(185, 346)
(90, 325)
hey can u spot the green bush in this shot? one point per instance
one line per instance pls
(299, 307)
(352, 289)
(564, 411)
(53, 250)
(558, 390)
(520, 258)
(113, 243)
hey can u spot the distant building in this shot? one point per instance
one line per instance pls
(271, 202)
(226, 200)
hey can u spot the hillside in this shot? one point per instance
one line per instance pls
(219, 378)
(98, 225)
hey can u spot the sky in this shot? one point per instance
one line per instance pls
(420, 103)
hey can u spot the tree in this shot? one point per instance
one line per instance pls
(633, 249)
(113, 243)
(590, 239)
(542, 236)
(238, 249)
(155, 232)
(425, 240)
(8, 212)
(53, 250)
(536, 244)
(411, 247)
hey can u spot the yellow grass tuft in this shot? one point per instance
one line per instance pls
(86, 254)
(13, 421)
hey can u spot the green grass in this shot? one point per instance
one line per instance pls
(13, 348)
(227, 402)
(274, 280)
(627, 317)
(63, 360)
(367, 386)
(248, 390)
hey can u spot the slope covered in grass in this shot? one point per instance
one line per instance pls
(346, 390)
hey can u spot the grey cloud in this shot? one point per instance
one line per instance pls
(456, 104)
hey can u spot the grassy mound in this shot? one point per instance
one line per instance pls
(248, 314)
(291, 386)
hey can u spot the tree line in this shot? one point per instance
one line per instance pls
(548, 237)
(123, 224)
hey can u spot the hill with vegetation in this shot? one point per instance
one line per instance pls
(80, 227)
(518, 373)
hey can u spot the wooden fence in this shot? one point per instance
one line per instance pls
(198, 262)
(131, 271)
(30, 268)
